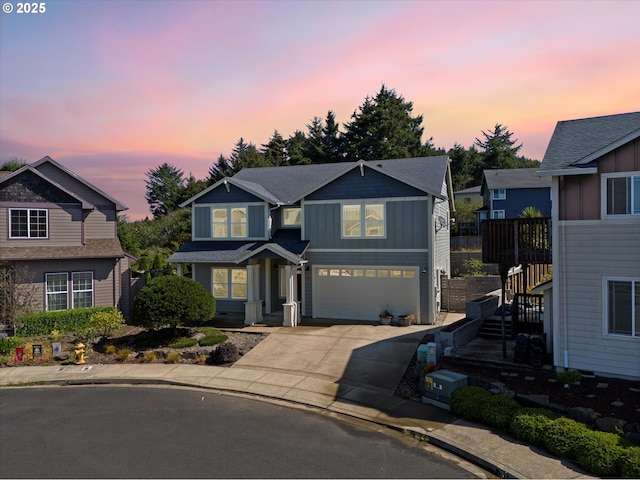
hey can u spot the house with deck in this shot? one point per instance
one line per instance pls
(594, 166)
(58, 235)
(334, 241)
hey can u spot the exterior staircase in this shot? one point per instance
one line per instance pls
(492, 327)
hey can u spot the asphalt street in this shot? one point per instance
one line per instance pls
(146, 432)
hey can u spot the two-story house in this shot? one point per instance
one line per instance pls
(507, 192)
(339, 240)
(594, 164)
(60, 232)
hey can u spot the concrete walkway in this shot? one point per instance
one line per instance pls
(347, 369)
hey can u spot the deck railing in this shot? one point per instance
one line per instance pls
(517, 241)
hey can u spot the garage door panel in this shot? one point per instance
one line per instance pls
(357, 293)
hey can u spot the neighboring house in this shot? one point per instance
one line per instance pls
(466, 200)
(336, 240)
(471, 194)
(594, 164)
(507, 192)
(61, 234)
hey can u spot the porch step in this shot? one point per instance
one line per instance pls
(492, 327)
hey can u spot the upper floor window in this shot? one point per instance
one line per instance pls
(622, 307)
(499, 194)
(27, 223)
(229, 222)
(623, 195)
(363, 221)
(291, 216)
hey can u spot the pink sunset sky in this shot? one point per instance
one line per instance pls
(113, 88)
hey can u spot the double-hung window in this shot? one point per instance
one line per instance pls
(229, 283)
(229, 222)
(82, 284)
(363, 220)
(499, 194)
(57, 291)
(623, 194)
(622, 304)
(27, 223)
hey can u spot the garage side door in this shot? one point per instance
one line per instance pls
(357, 293)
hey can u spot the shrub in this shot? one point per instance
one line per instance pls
(562, 436)
(149, 357)
(112, 349)
(171, 300)
(172, 357)
(467, 402)
(225, 353)
(569, 376)
(8, 344)
(599, 452)
(107, 320)
(183, 342)
(42, 323)
(124, 354)
(213, 339)
(498, 411)
(529, 424)
(629, 462)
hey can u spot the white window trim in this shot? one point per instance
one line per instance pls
(29, 210)
(363, 230)
(605, 307)
(73, 291)
(283, 216)
(604, 195)
(499, 194)
(493, 215)
(46, 293)
(229, 283)
(229, 223)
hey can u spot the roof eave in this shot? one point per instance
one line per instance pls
(609, 148)
(562, 172)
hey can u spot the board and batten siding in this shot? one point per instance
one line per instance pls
(591, 252)
(406, 225)
(202, 275)
(256, 221)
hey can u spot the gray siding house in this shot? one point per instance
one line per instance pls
(60, 232)
(594, 164)
(334, 241)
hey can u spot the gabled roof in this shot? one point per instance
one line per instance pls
(512, 178)
(35, 168)
(576, 143)
(287, 185)
(470, 190)
(285, 243)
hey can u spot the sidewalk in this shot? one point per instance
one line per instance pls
(347, 369)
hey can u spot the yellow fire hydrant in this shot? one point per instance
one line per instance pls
(79, 353)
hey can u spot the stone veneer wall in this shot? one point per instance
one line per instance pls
(457, 291)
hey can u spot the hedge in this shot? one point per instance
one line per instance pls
(600, 453)
(65, 321)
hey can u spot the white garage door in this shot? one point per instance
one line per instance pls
(358, 293)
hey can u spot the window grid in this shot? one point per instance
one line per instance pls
(57, 291)
(82, 285)
(499, 194)
(28, 223)
(229, 222)
(363, 221)
(229, 283)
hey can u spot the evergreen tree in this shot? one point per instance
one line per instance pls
(314, 147)
(498, 149)
(331, 140)
(218, 170)
(275, 152)
(383, 128)
(296, 147)
(164, 189)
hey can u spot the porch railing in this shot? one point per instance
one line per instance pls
(527, 313)
(517, 241)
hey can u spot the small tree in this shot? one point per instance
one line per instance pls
(17, 292)
(172, 301)
(105, 322)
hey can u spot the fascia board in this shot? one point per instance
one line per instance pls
(275, 248)
(609, 148)
(403, 180)
(560, 172)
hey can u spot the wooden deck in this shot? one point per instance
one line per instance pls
(517, 241)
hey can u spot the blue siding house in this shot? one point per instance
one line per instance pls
(335, 241)
(507, 192)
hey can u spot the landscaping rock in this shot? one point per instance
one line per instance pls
(582, 414)
(608, 424)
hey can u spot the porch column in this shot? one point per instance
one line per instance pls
(253, 305)
(291, 306)
(179, 270)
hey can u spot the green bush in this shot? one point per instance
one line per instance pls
(213, 339)
(106, 321)
(43, 323)
(468, 402)
(569, 376)
(498, 411)
(599, 453)
(183, 342)
(8, 344)
(171, 300)
(529, 424)
(562, 436)
(629, 462)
